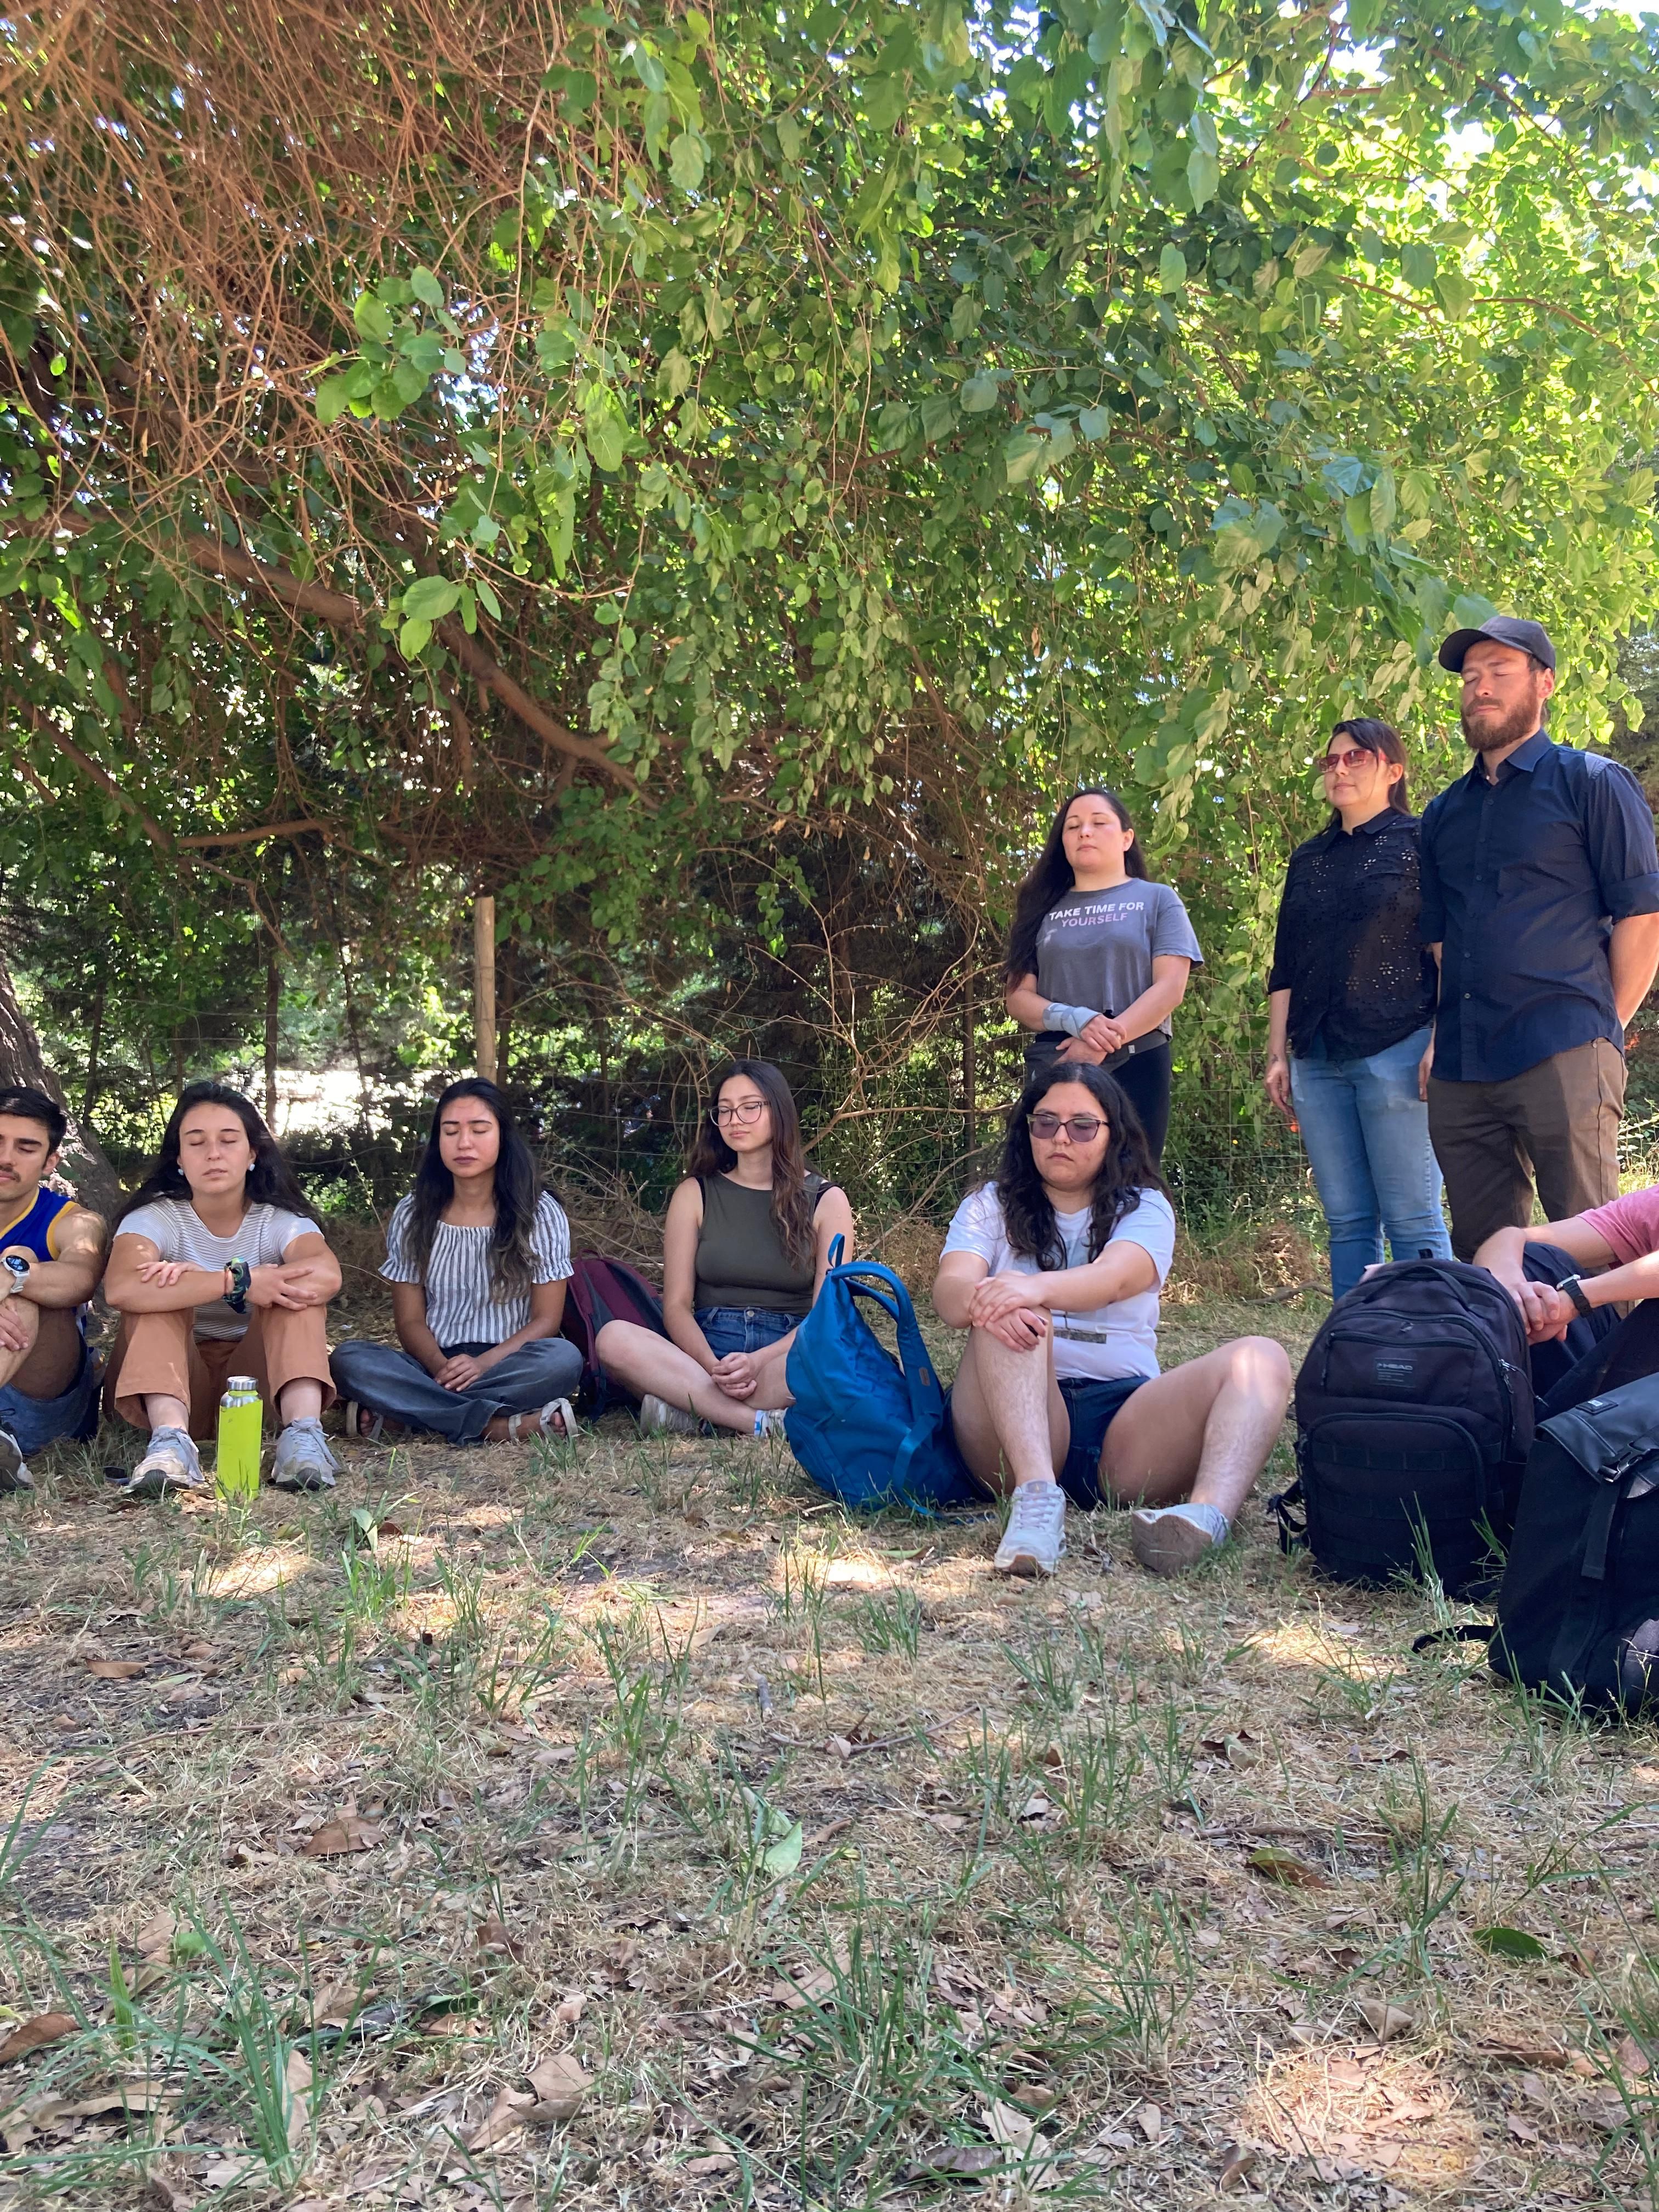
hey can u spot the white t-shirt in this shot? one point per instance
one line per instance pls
(463, 1305)
(178, 1232)
(1120, 1339)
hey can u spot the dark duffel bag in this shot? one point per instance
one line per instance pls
(1414, 1417)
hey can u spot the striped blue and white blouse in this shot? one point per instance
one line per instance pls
(463, 1305)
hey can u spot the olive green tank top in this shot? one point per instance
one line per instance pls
(741, 1261)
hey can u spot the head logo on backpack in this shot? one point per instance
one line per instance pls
(869, 1428)
(1413, 1417)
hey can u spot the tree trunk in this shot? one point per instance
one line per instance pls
(84, 1165)
(969, 1075)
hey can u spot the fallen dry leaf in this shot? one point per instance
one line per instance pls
(1036, 1808)
(509, 2112)
(571, 2009)
(1522, 2130)
(1628, 2054)
(1386, 2020)
(1237, 2165)
(348, 1833)
(957, 2160)
(711, 2162)
(492, 1935)
(114, 1670)
(1284, 1866)
(1149, 2120)
(296, 2105)
(1548, 2056)
(163, 2194)
(34, 2034)
(560, 2082)
(154, 1939)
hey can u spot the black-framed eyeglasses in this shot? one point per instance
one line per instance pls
(747, 1110)
(1081, 1128)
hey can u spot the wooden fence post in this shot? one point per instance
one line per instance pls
(484, 985)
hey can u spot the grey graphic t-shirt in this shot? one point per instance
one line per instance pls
(1097, 948)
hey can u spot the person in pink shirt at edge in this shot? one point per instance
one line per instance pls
(1616, 1248)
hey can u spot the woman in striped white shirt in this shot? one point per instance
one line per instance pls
(478, 1256)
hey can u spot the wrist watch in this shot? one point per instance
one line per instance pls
(240, 1275)
(13, 1273)
(1575, 1289)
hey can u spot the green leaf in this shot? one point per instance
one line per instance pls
(779, 1860)
(1509, 1943)
(649, 70)
(685, 161)
(1456, 292)
(431, 598)
(334, 395)
(1094, 421)
(426, 287)
(1171, 270)
(1418, 266)
(1203, 176)
(371, 317)
(413, 638)
(487, 599)
(979, 394)
(1021, 455)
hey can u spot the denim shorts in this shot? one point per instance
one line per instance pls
(743, 1328)
(34, 1423)
(1092, 1405)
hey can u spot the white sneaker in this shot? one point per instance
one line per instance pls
(171, 1463)
(1169, 1541)
(658, 1418)
(302, 1460)
(1034, 1542)
(13, 1467)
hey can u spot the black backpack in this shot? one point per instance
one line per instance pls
(1578, 1607)
(1414, 1417)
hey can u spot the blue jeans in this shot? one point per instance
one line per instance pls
(34, 1423)
(743, 1328)
(1367, 1134)
(389, 1381)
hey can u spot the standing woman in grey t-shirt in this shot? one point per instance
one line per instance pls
(1099, 956)
(217, 1269)
(478, 1256)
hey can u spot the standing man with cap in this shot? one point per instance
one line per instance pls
(1540, 902)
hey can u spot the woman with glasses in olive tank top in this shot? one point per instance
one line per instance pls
(744, 1249)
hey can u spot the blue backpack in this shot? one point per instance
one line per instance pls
(870, 1430)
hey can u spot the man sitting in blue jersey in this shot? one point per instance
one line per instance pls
(52, 1255)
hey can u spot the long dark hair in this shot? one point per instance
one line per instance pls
(1128, 1169)
(710, 1154)
(518, 1191)
(270, 1180)
(1050, 878)
(1372, 736)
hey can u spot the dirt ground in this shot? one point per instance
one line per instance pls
(621, 1825)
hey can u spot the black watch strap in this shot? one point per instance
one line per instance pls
(1575, 1289)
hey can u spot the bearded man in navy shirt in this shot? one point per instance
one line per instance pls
(1540, 902)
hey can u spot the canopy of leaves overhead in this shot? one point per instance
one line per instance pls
(689, 479)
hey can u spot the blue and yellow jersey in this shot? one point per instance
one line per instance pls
(38, 1228)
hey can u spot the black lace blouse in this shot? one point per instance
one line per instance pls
(1347, 946)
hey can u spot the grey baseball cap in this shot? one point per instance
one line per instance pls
(1502, 630)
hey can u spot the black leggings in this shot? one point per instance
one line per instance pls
(1145, 1076)
(1145, 1081)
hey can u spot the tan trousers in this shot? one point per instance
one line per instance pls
(1558, 1122)
(159, 1355)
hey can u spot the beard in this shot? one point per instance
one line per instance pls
(1493, 732)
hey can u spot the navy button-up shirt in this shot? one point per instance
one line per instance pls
(1522, 880)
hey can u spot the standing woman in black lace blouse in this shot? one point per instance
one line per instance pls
(1351, 996)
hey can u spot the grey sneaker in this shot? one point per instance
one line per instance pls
(1169, 1542)
(1034, 1542)
(171, 1463)
(13, 1467)
(658, 1419)
(303, 1460)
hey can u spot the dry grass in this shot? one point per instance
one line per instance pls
(834, 1862)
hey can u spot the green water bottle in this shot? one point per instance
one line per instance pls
(241, 1417)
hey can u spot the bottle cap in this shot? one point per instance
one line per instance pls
(240, 1382)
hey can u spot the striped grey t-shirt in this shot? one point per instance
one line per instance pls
(463, 1305)
(178, 1232)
